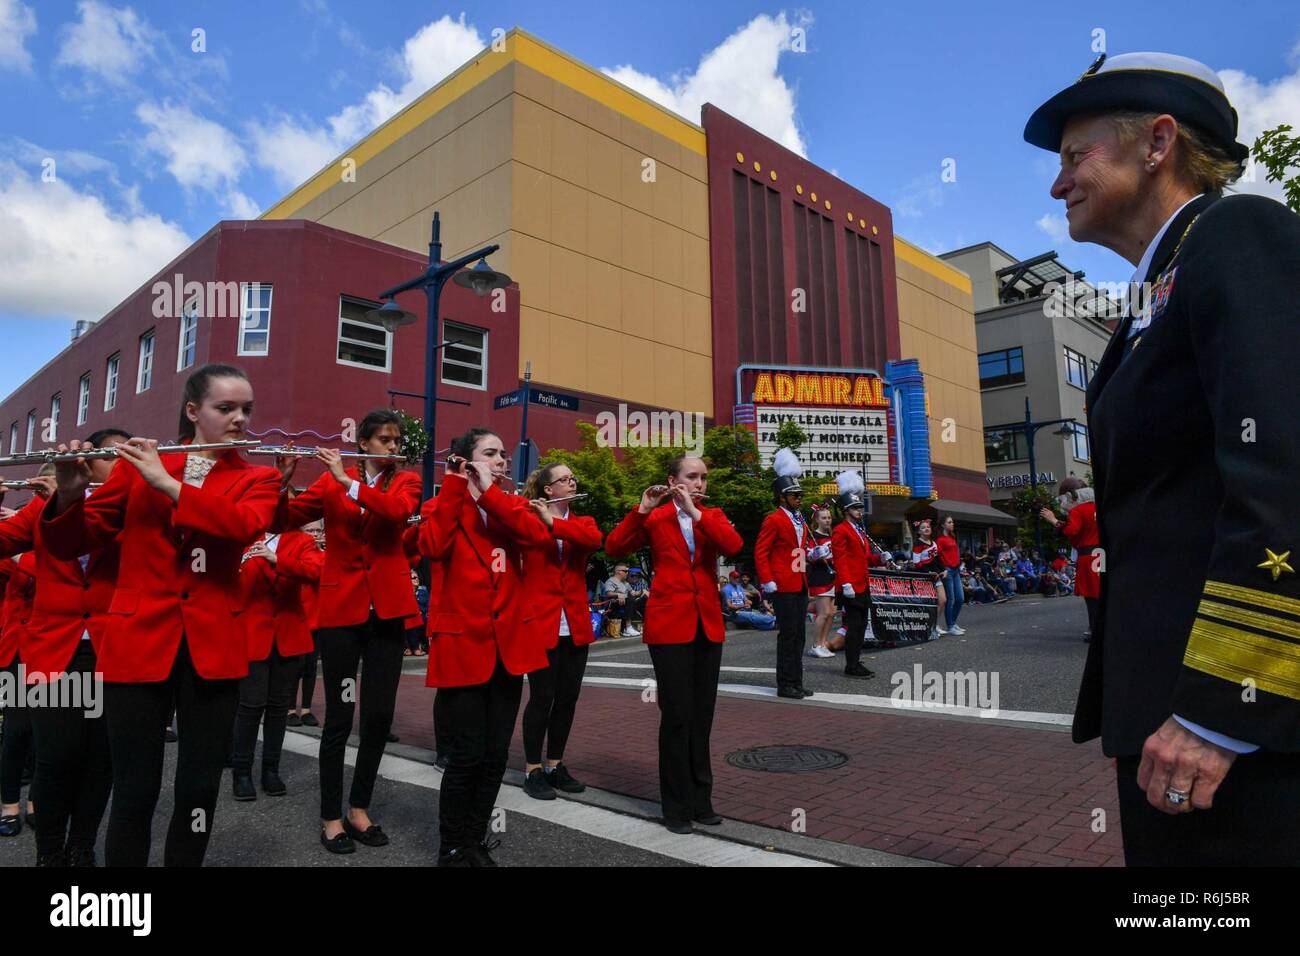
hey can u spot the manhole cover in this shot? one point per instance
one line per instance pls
(787, 759)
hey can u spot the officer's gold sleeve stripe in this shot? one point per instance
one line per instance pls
(1240, 615)
(1268, 599)
(1235, 655)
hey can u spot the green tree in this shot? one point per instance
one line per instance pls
(1278, 151)
(1026, 503)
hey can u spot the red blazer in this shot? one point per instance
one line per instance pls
(474, 615)
(365, 565)
(273, 609)
(684, 591)
(852, 557)
(556, 583)
(178, 574)
(1081, 530)
(69, 601)
(779, 551)
(20, 590)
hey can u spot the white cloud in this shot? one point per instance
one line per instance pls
(920, 195)
(199, 153)
(107, 42)
(294, 150)
(741, 75)
(1057, 229)
(17, 23)
(1261, 106)
(67, 254)
(75, 161)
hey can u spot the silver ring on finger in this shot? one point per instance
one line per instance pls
(1177, 797)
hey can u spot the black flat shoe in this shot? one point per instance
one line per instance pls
(293, 720)
(241, 786)
(373, 836)
(678, 826)
(272, 785)
(709, 819)
(339, 844)
(790, 693)
(309, 720)
(537, 786)
(858, 670)
(11, 825)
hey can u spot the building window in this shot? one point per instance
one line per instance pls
(83, 399)
(31, 428)
(13, 439)
(144, 377)
(189, 338)
(464, 359)
(56, 407)
(1082, 452)
(110, 381)
(1076, 368)
(1004, 367)
(1004, 444)
(1092, 369)
(362, 342)
(255, 320)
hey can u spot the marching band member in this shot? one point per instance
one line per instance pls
(310, 596)
(73, 772)
(854, 557)
(19, 575)
(925, 557)
(1080, 528)
(821, 581)
(365, 597)
(182, 522)
(780, 557)
(478, 653)
(558, 613)
(272, 579)
(684, 629)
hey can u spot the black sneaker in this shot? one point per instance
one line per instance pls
(309, 720)
(537, 787)
(561, 779)
(455, 857)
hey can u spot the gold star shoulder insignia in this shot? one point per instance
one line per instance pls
(1276, 563)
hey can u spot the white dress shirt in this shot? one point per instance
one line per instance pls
(1140, 322)
(688, 530)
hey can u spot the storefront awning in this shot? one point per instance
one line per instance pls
(975, 514)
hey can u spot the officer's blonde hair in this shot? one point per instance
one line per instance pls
(1201, 162)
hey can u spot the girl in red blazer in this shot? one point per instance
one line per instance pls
(69, 614)
(557, 610)
(310, 593)
(19, 576)
(275, 622)
(182, 522)
(478, 653)
(364, 600)
(683, 628)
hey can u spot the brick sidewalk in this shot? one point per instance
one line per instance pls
(959, 792)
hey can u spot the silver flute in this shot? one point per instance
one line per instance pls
(295, 451)
(551, 501)
(89, 454)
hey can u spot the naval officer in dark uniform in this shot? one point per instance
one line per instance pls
(1193, 677)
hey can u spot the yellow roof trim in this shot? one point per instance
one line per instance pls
(520, 47)
(916, 256)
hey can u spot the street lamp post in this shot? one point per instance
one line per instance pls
(1031, 428)
(482, 279)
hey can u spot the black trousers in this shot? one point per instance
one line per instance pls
(856, 611)
(1091, 605)
(1253, 821)
(477, 722)
(552, 700)
(16, 746)
(74, 774)
(686, 678)
(307, 671)
(265, 693)
(376, 646)
(791, 609)
(137, 720)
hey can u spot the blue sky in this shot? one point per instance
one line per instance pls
(154, 142)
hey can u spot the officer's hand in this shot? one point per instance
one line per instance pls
(1175, 757)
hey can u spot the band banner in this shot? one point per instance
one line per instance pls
(904, 606)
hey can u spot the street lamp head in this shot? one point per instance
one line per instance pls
(1065, 431)
(391, 316)
(482, 278)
